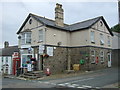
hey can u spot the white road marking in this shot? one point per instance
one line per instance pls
(87, 86)
(75, 84)
(82, 80)
(70, 86)
(61, 84)
(80, 87)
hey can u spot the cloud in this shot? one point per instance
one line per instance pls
(14, 13)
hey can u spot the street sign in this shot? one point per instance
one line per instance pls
(50, 51)
(41, 49)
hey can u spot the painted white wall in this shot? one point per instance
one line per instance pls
(4, 62)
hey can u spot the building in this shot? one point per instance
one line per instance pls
(116, 48)
(58, 46)
(6, 58)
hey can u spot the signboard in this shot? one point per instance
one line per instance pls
(50, 51)
(41, 49)
(29, 67)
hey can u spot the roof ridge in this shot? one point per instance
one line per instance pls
(42, 17)
(45, 18)
(86, 20)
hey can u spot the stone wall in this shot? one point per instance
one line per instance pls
(58, 63)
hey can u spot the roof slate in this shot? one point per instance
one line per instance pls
(8, 51)
(73, 27)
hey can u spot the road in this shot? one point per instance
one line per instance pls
(95, 79)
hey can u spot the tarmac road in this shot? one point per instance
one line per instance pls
(95, 79)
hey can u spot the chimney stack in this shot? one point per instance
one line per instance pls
(59, 19)
(6, 44)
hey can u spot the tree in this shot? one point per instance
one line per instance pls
(116, 28)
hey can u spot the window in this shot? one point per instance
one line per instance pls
(92, 56)
(6, 59)
(102, 56)
(92, 36)
(108, 40)
(2, 59)
(40, 35)
(101, 39)
(26, 38)
(101, 23)
(30, 21)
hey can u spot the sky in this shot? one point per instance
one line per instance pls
(13, 14)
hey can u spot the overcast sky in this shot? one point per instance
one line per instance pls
(14, 13)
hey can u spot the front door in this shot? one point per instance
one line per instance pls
(109, 59)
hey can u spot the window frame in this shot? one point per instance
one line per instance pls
(102, 56)
(108, 41)
(26, 38)
(102, 39)
(41, 35)
(93, 56)
(92, 36)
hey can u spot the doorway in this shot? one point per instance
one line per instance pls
(41, 62)
(109, 59)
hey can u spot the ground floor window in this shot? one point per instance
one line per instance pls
(93, 56)
(26, 58)
(102, 56)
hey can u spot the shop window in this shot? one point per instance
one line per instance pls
(92, 37)
(101, 39)
(93, 56)
(2, 59)
(41, 35)
(102, 56)
(6, 59)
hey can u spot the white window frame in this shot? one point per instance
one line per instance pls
(92, 35)
(101, 39)
(109, 41)
(25, 38)
(93, 56)
(28, 38)
(102, 56)
(41, 35)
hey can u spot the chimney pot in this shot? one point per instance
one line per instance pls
(6, 44)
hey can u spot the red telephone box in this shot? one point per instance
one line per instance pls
(16, 65)
(16, 62)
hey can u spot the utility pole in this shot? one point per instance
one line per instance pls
(118, 11)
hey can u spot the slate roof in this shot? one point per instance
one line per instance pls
(8, 51)
(73, 27)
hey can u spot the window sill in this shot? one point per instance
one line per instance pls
(93, 42)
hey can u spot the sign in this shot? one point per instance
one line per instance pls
(41, 49)
(15, 55)
(50, 51)
(29, 67)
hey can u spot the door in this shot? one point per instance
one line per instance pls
(41, 62)
(109, 59)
